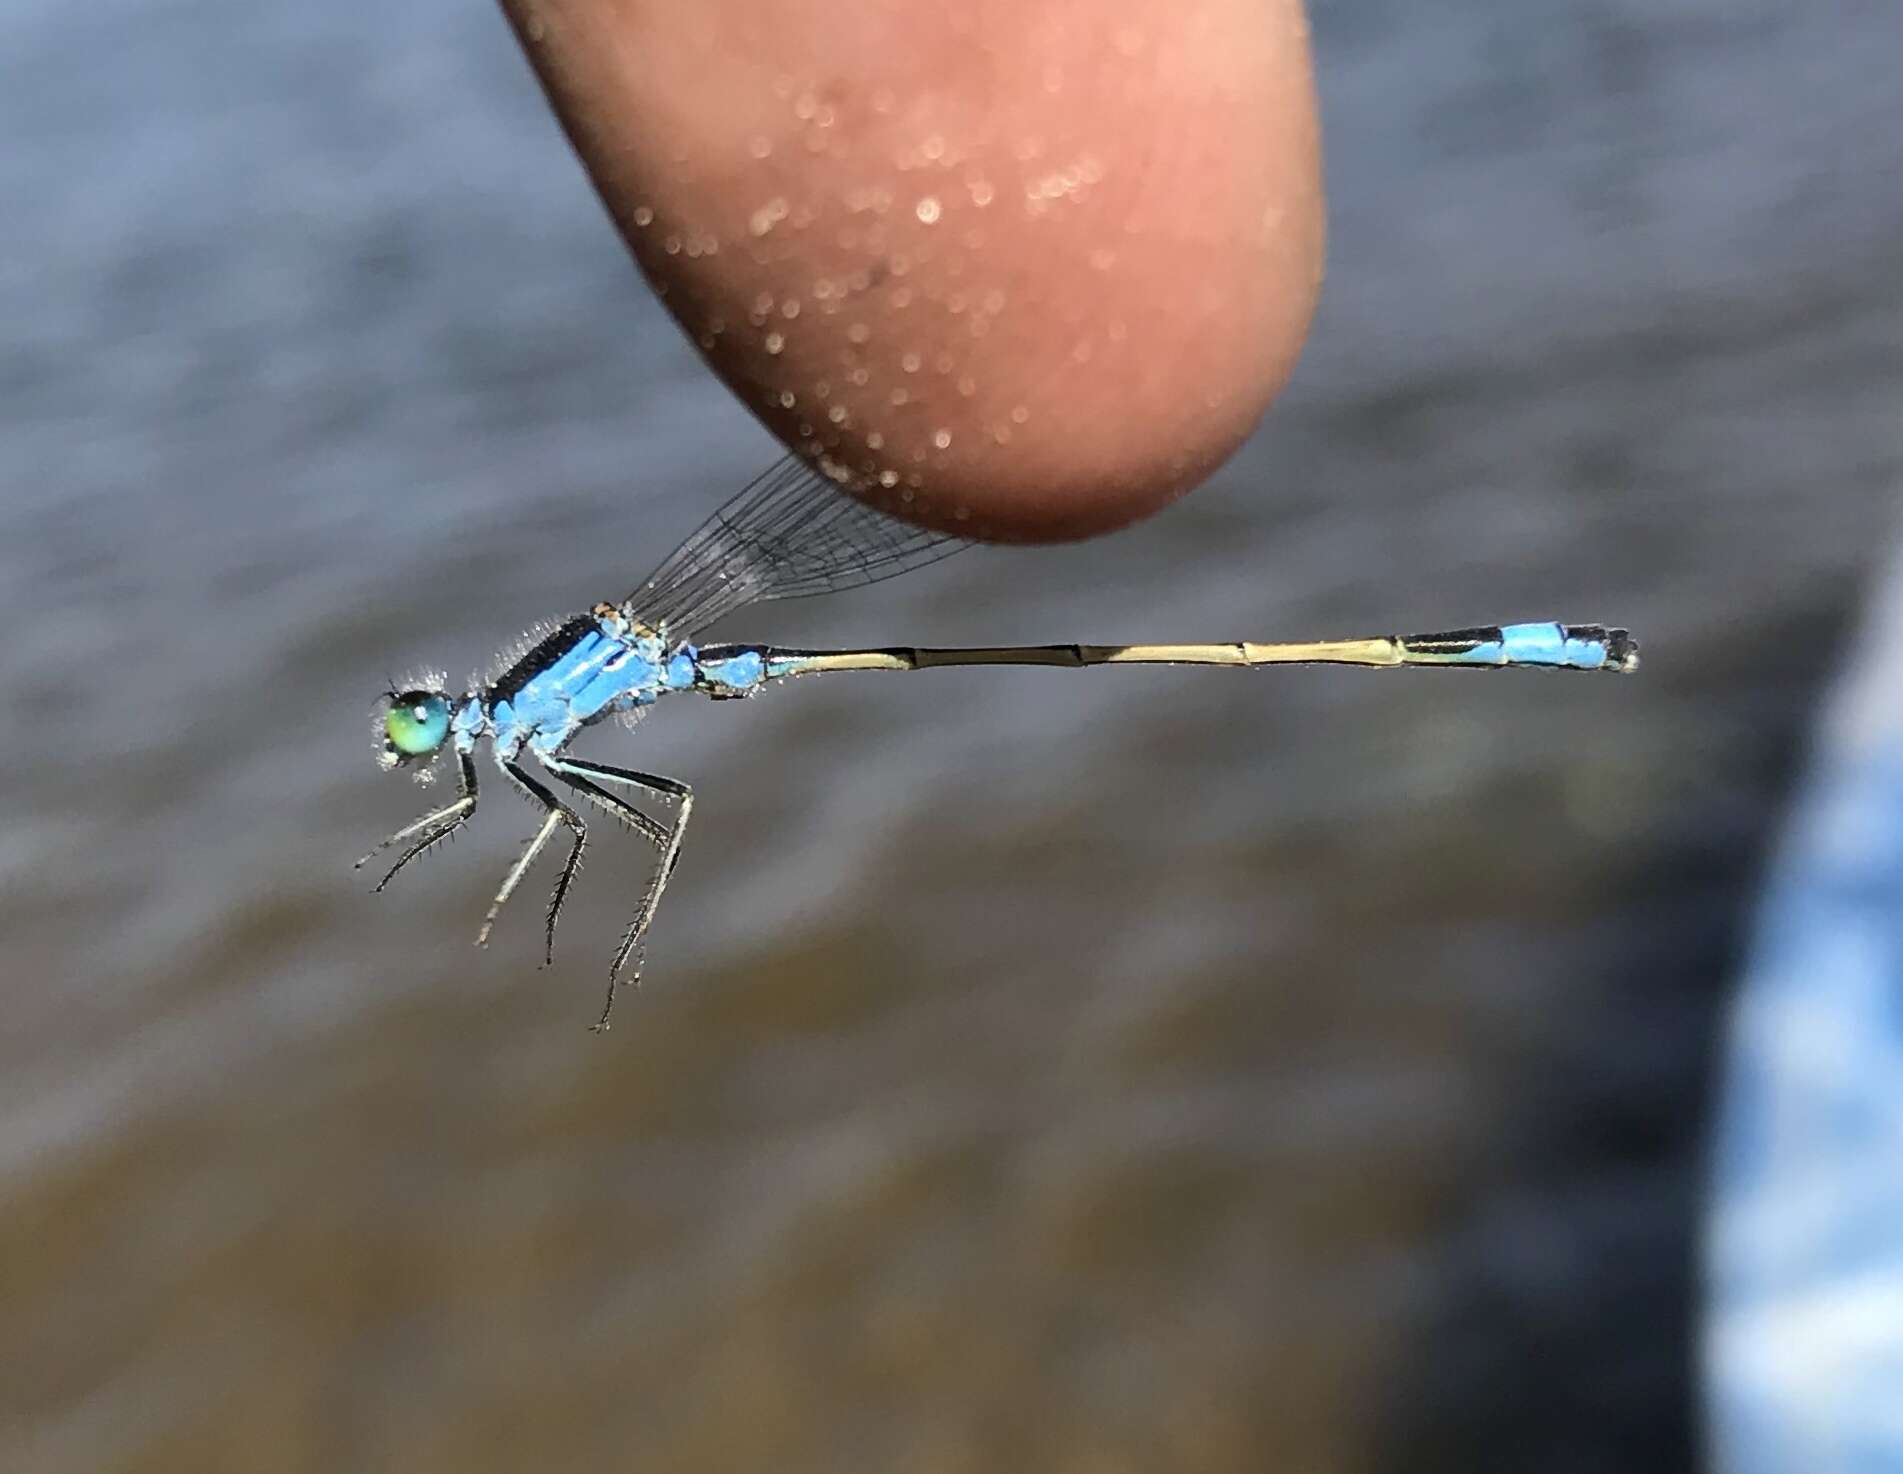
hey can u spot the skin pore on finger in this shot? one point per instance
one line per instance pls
(1024, 270)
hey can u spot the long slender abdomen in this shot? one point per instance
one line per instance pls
(1546, 645)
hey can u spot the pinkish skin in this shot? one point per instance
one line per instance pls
(1028, 269)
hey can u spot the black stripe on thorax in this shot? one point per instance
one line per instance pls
(544, 653)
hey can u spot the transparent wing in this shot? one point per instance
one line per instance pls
(789, 534)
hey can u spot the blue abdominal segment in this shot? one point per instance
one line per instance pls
(1552, 644)
(729, 670)
(1585, 653)
(681, 671)
(1555, 646)
(1533, 644)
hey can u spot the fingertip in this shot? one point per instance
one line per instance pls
(1022, 275)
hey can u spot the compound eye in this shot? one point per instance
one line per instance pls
(417, 722)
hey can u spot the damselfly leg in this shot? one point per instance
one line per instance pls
(666, 838)
(566, 771)
(433, 827)
(558, 814)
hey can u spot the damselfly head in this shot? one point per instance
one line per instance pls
(412, 726)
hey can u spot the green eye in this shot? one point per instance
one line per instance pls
(417, 722)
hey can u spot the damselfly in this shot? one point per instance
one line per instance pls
(789, 534)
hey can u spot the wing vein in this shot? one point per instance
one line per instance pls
(789, 534)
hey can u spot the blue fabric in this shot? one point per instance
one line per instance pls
(1804, 1337)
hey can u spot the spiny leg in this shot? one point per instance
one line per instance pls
(434, 827)
(558, 814)
(564, 769)
(683, 797)
(670, 847)
(656, 834)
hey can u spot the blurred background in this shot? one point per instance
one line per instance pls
(1122, 1070)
